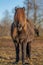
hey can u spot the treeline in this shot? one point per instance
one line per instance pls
(5, 25)
(33, 12)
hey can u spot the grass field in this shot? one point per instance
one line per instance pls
(7, 52)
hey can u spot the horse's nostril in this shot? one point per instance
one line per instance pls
(19, 27)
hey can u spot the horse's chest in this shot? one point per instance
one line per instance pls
(22, 36)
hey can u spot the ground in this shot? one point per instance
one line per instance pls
(7, 52)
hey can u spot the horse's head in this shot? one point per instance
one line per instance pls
(19, 17)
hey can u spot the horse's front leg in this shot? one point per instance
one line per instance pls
(24, 52)
(17, 52)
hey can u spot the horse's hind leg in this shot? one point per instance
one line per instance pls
(28, 49)
(22, 53)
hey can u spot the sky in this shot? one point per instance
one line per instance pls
(10, 4)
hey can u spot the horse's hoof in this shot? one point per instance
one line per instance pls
(14, 62)
(26, 63)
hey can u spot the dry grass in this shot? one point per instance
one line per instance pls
(7, 53)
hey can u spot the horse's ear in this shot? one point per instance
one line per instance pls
(15, 8)
(24, 8)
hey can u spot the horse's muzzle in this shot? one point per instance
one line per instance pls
(19, 27)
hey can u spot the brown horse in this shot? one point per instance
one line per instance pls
(22, 31)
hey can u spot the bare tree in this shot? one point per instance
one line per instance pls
(28, 6)
(31, 5)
